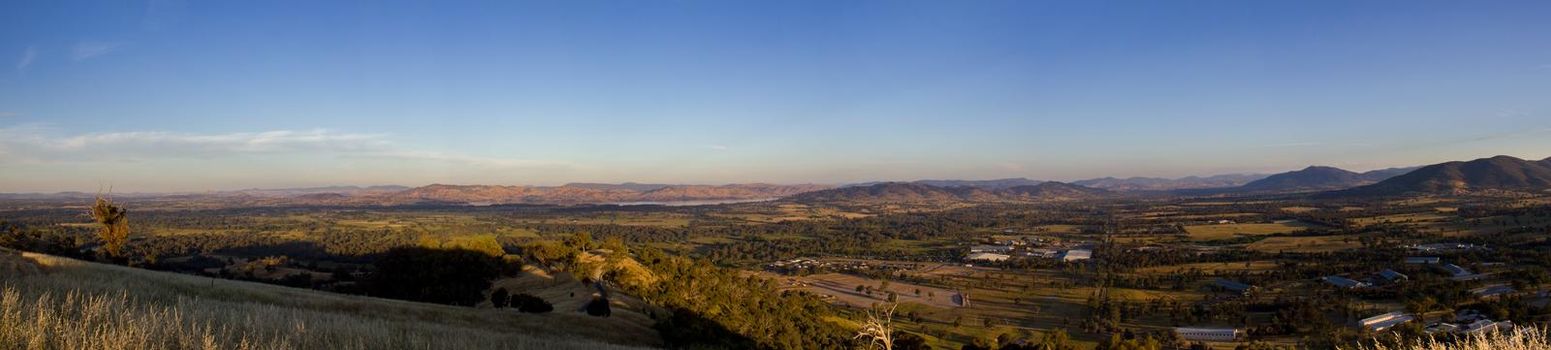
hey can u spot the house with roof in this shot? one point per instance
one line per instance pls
(1392, 276)
(1493, 291)
(1454, 271)
(1423, 260)
(1481, 326)
(1233, 286)
(1343, 282)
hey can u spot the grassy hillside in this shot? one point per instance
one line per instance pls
(1517, 339)
(73, 304)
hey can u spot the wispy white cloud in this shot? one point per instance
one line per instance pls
(39, 144)
(35, 143)
(28, 56)
(479, 161)
(88, 49)
(1290, 145)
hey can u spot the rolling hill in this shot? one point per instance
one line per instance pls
(1496, 173)
(909, 192)
(588, 193)
(87, 305)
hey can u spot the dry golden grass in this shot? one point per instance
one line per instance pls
(1221, 231)
(1522, 338)
(1313, 244)
(81, 305)
(1299, 210)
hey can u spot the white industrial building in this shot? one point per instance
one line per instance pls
(986, 248)
(988, 257)
(1385, 321)
(1209, 334)
(1077, 254)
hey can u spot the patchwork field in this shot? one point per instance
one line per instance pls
(1221, 231)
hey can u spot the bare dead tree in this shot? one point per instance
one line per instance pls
(878, 330)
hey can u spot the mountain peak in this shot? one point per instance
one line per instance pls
(1495, 173)
(1311, 178)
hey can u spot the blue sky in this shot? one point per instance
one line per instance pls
(178, 96)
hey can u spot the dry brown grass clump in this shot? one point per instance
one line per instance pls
(81, 305)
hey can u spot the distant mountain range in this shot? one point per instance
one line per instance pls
(1164, 184)
(920, 193)
(343, 190)
(984, 184)
(629, 186)
(593, 193)
(1500, 173)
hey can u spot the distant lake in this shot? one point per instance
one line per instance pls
(695, 202)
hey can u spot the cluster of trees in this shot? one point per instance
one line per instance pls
(523, 302)
(445, 276)
(711, 306)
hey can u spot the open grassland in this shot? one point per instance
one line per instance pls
(1213, 267)
(1313, 244)
(81, 305)
(841, 288)
(765, 213)
(1412, 218)
(1222, 231)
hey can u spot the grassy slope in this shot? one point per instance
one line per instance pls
(83, 305)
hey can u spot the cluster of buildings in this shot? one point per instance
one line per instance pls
(815, 265)
(1468, 322)
(1387, 276)
(1068, 255)
(1029, 247)
(1443, 247)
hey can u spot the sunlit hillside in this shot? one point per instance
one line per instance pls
(71, 304)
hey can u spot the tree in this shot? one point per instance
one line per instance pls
(908, 341)
(498, 298)
(115, 225)
(599, 307)
(580, 241)
(528, 303)
(1057, 339)
(446, 276)
(878, 330)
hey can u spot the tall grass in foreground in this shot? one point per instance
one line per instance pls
(78, 305)
(1520, 338)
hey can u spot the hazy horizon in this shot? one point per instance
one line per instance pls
(172, 96)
